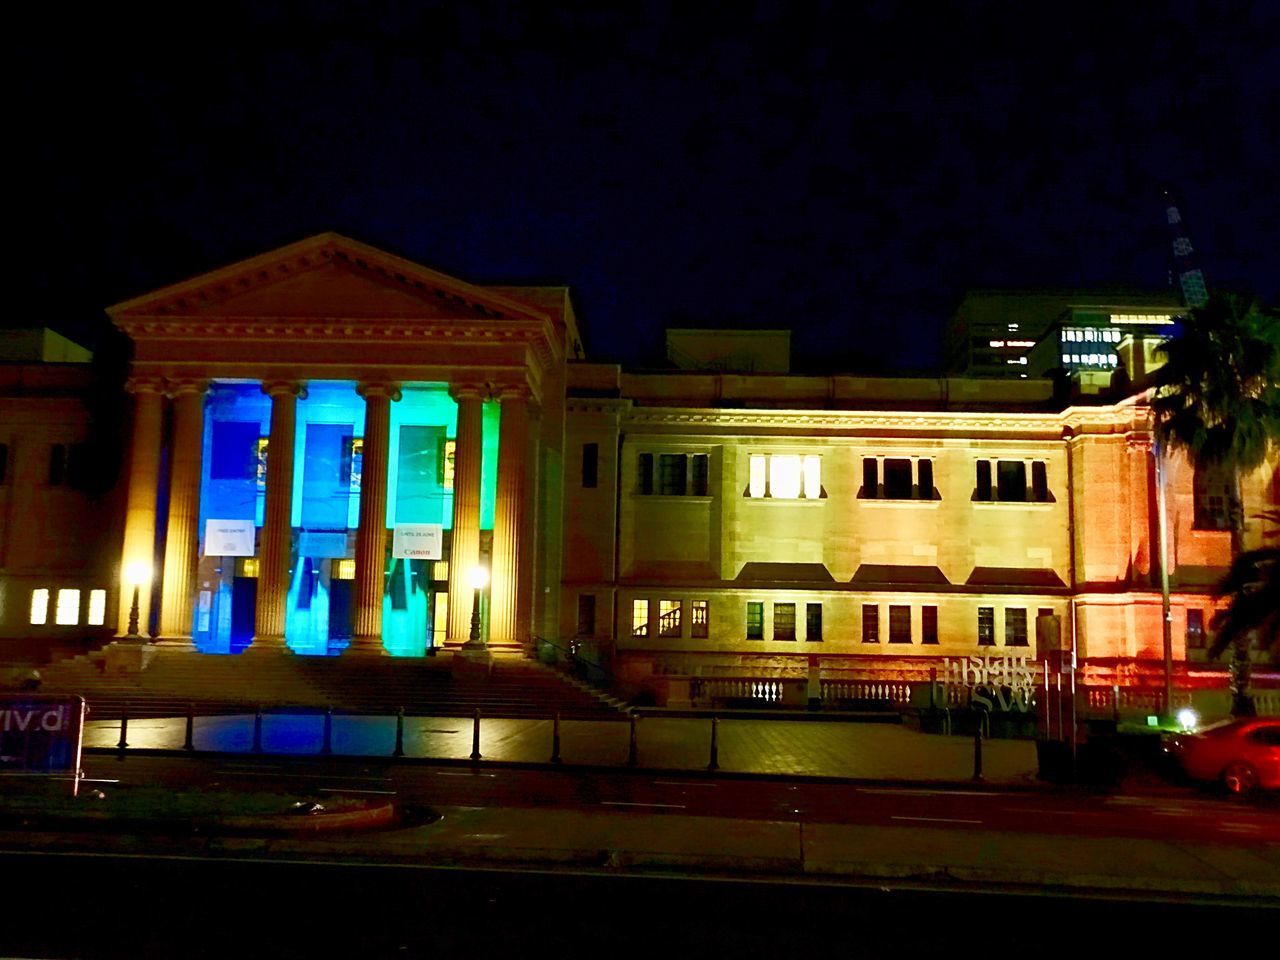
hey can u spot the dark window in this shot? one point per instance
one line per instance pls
(700, 620)
(644, 473)
(4, 463)
(1195, 629)
(1269, 735)
(1015, 627)
(897, 479)
(233, 450)
(78, 465)
(1212, 498)
(1040, 482)
(590, 464)
(755, 620)
(57, 464)
(700, 485)
(1011, 480)
(784, 621)
(899, 624)
(672, 474)
(813, 621)
(586, 614)
(928, 624)
(870, 478)
(986, 626)
(925, 489)
(983, 489)
(870, 623)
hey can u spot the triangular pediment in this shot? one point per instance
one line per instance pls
(327, 276)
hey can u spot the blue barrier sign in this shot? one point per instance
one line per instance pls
(41, 734)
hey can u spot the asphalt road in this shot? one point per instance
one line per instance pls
(1185, 814)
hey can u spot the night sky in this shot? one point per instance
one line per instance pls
(844, 172)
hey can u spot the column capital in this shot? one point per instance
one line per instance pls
(468, 391)
(379, 388)
(145, 384)
(513, 392)
(184, 386)
(285, 388)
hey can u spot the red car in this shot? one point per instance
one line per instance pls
(1243, 755)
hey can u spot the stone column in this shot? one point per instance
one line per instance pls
(465, 551)
(371, 537)
(277, 524)
(527, 558)
(181, 534)
(138, 552)
(505, 625)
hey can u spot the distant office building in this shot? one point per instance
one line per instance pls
(326, 440)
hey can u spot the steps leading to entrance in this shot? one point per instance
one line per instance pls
(516, 687)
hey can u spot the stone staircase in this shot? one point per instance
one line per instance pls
(174, 680)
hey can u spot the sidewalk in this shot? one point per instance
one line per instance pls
(857, 751)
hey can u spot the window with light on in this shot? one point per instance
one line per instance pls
(785, 477)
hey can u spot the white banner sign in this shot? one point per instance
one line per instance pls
(228, 538)
(418, 541)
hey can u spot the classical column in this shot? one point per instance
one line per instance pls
(527, 556)
(277, 523)
(505, 625)
(137, 558)
(181, 533)
(371, 537)
(465, 552)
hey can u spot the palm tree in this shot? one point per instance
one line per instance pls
(1217, 399)
(1253, 584)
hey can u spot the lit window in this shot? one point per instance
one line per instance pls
(669, 618)
(700, 619)
(448, 463)
(97, 608)
(355, 465)
(1195, 629)
(784, 477)
(260, 462)
(784, 621)
(639, 618)
(344, 570)
(755, 620)
(812, 478)
(249, 567)
(39, 606)
(756, 486)
(68, 609)
(440, 570)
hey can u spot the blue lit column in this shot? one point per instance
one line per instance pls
(277, 528)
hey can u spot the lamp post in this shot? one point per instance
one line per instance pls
(479, 576)
(136, 573)
(1166, 619)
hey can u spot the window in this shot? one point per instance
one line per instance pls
(1212, 487)
(986, 626)
(639, 618)
(353, 468)
(813, 622)
(899, 624)
(699, 620)
(928, 624)
(345, 569)
(590, 464)
(699, 463)
(870, 623)
(669, 618)
(755, 620)
(39, 606)
(4, 463)
(785, 477)
(233, 450)
(983, 489)
(448, 462)
(1040, 482)
(1011, 480)
(97, 608)
(67, 612)
(644, 473)
(672, 474)
(586, 614)
(784, 621)
(903, 479)
(1195, 629)
(1015, 627)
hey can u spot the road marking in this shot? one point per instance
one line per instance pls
(461, 773)
(936, 819)
(683, 783)
(625, 803)
(383, 793)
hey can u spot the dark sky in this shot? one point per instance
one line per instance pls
(845, 171)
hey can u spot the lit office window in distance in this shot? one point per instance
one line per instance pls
(755, 620)
(700, 620)
(986, 626)
(899, 624)
(784, 621)
(1143, 318)
(669, 618)
(344, 569)
(1015, 627)
(639, 618)
(789, 477)
(39, 606)
(756, 485)
(67, 612)
(97, 608)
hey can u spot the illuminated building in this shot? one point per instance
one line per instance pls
(723, 521)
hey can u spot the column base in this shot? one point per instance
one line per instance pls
(128, 655)
(267, 646)
(176, 643)
(366, 647)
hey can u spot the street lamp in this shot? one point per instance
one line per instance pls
(137, 572)
(479, 577)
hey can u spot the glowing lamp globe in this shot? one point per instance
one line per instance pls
(137, 572)
(1187, 718)
(479, 577)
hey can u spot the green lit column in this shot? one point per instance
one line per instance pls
(464, 554)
